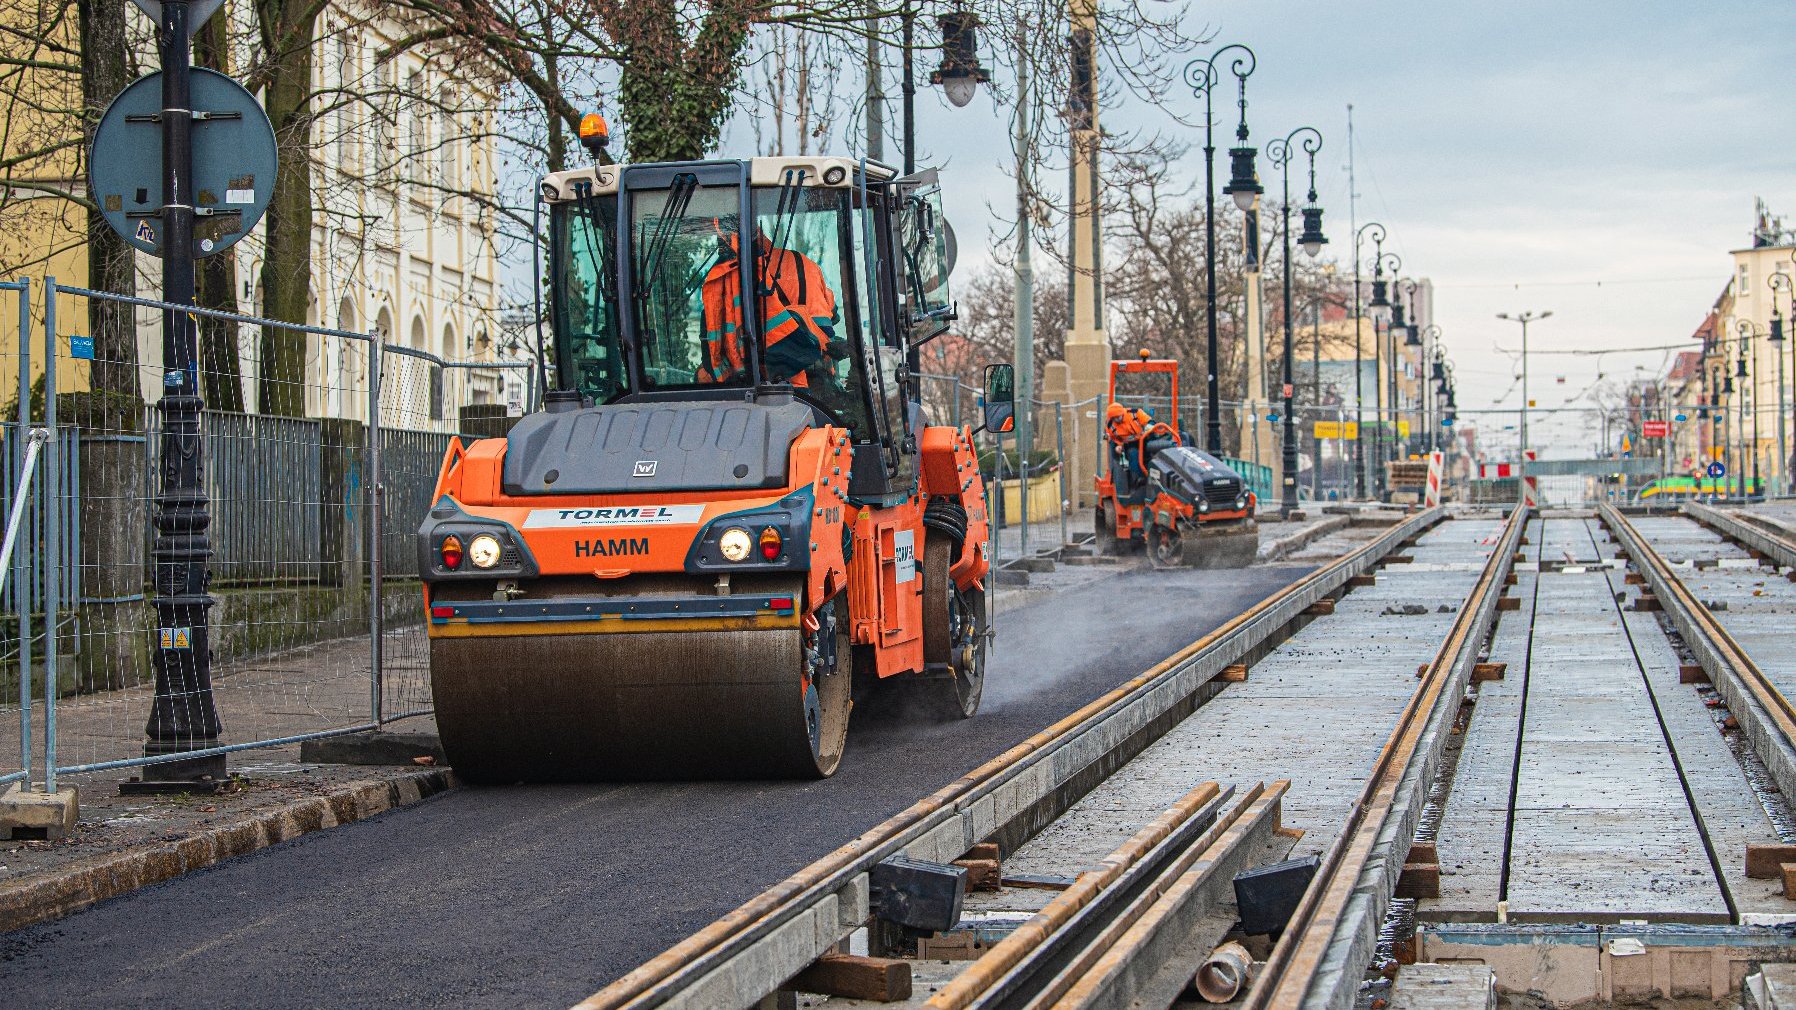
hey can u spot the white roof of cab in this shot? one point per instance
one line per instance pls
(558, 187)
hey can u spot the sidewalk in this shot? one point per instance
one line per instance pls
(308, 689)
(122, 843)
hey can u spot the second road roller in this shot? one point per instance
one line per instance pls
(729, 521)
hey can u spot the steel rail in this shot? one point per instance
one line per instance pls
(1763, 711)
(1750, 531)
(747, 953)
(1150, 954)
(1318, 961)
(1018, 968)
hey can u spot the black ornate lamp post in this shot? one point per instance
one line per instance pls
(1780, 280)
(1412, 338)
(1359, 391)
(1747, 331)
(1243, 185)
(1432, 359)
(1309, 139)
(1383, 310)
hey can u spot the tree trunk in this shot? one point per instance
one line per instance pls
(288, 31)
(220, 377)
(111, 263)
(677, 96)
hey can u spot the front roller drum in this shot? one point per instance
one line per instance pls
(651, 705)
(1203, 545)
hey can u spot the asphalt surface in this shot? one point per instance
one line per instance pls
(539, 896)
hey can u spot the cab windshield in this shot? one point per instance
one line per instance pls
(686, 312)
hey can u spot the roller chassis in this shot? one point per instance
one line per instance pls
(1159, 511)
(701, 580)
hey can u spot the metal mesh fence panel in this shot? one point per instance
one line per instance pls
(306, 568)
(288, 625)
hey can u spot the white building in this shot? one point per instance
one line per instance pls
(404, 172)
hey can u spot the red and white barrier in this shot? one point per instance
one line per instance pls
(1433, 496)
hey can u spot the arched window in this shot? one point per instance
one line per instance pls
(448, 352)
(349, 361)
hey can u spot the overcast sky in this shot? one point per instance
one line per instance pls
(1519, 153)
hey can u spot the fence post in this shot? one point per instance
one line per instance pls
(1065, 480)
(52, 536)
(22, 586)
(376, 359)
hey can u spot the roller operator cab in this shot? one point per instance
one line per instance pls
(730, 520)
(1160, 492)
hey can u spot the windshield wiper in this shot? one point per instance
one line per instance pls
(679, 197)
(785, 219)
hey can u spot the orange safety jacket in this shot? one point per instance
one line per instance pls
(798, 316)
(1126, 426)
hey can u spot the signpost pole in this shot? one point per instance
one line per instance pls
(183, 716)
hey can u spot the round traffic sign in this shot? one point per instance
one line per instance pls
(233, 163)
(1718, 469)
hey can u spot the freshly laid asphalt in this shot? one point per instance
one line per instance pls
(540, 895)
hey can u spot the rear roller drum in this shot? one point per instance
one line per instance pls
(1105, 521)
(953, 639)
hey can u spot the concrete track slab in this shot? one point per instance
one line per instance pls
(1317, 710)
(1731, 813)
(1602, 828)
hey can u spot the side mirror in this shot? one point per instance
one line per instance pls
(999, 401)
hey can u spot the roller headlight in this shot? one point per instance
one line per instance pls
(1203, 506)
(484, 550)
(735, 544)
(1241, 502)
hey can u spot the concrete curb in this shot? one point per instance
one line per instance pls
(51, 895)
(1303, 538)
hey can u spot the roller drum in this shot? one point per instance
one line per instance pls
(672, 704)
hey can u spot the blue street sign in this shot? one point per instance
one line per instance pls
(1681, 417)
(1446, 422)
(1272, 417)
(1718, 469)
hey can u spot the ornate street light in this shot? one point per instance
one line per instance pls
(1359, 393)
(1776, 280)
(1203, 77)
(1309, 139)
(960, 73)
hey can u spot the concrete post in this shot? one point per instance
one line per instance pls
(1087, 359)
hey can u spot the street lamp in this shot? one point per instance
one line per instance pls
(1412, 337)
(1383, 310)
(1203, 77)
(1747, 331)
(960, 73)
(1524, 318)
(1433, 360)
(1309, 139)
(1359, 392)
(1776, 280)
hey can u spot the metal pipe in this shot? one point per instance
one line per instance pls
(52, 538)
(376, 616)
(22, 585)
(1224, 973)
